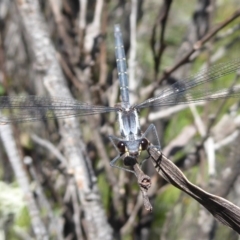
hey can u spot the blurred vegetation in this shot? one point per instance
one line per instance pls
(175, 215)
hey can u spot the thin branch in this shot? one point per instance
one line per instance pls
(129, 224)
(144, 183)
(48, 145)
(93, 30)
(56, 224)
(158, 45)
(196, 46)
(74, 148)
(76, 209)
(82, 14)
(22, 179)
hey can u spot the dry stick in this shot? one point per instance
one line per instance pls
(77, 84)
(111, 178)
(56, 10)
(56, 224)
(161, 19)
(74, 149)
(227, 140)
(208, 143)
(129, 224)
(93, 29)
(221, 106)
(9, 143)
(82, 14)
(192, 157)
(186, 58)
(207, 137)
(103, 154)
(76, 208)
(224, 211)
(144, 182)
(103, 71)
(231, 172)
(168, 112)
(48, 145)
(82, 22)
(201, 42)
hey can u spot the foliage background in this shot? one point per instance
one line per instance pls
(57, 202)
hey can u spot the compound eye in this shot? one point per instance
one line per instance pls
(121, 147)
(144, 143)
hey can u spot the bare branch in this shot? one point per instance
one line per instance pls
(196, 46)
(55, 83)
(22, 179)
(158, 45)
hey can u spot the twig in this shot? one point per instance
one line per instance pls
(227, 140)
(103, 51)
(131, 220)
(75, 81)
(76, 209)
(111, 178)
(208, 144)
(196, 46)
(144, 183)
(93, 30)
(181, 140)
(158, 48)
(207, 141)
(22, 178)
(82, 14)
(168, 112)
(56, 225)
(69, 49)
(48, 145)
(74, 148)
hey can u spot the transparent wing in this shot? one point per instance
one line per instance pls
(30, 108)
(207, 85)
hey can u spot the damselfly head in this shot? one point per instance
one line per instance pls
(130, 157)
(133, 148)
